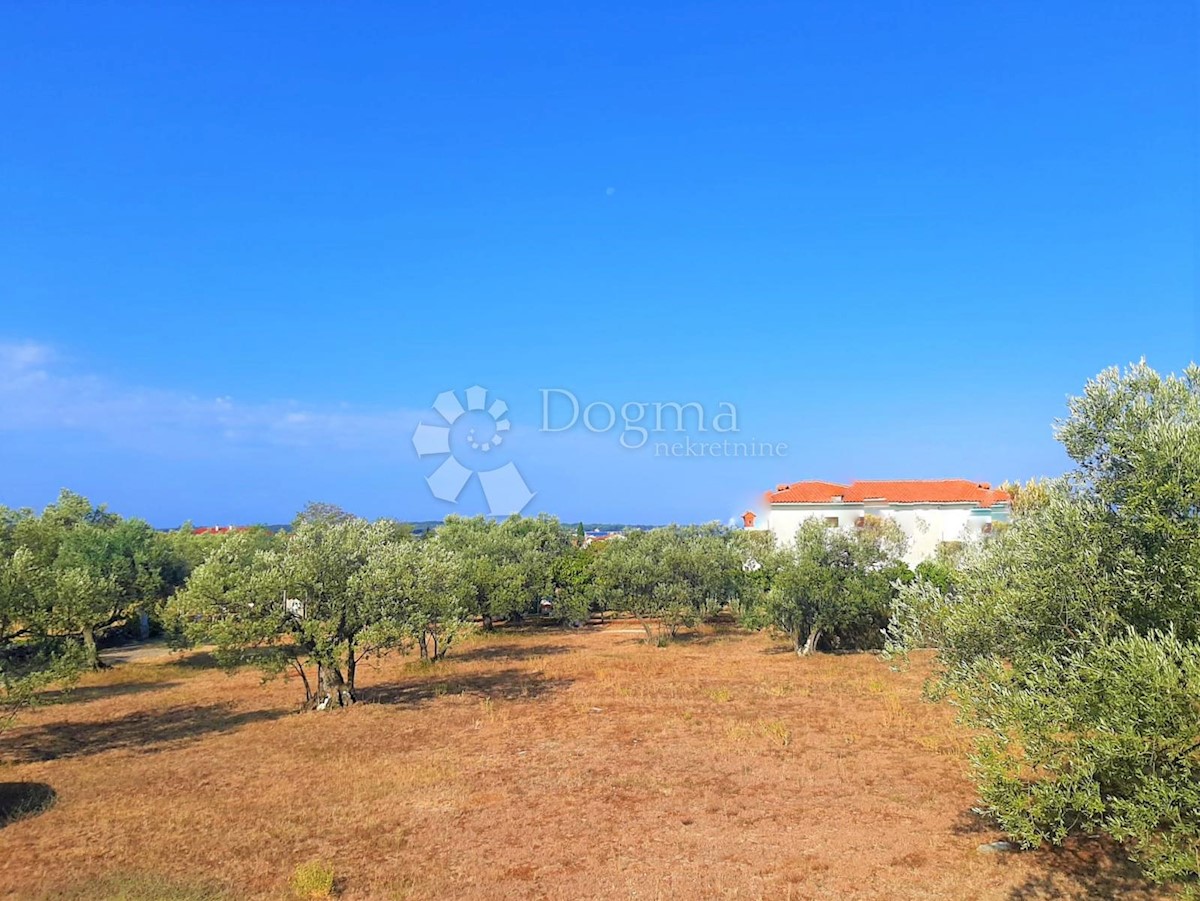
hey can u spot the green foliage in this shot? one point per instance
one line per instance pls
(760, 561)
(189, 550)
(331, 592)
(1027, 495)
(103, 573)
(312, 880)
(941, 575)
(421, 595)
(836, 585)
(509, 564)
(1108, 736)
(571, 574)
(669, 577)
(1071, 641)
(66, 575)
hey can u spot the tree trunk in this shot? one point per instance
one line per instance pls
(351, 667)
(299, 667)
(91, 655)
(332, 690)
(811, 644)
(444, 646)
(488, 625)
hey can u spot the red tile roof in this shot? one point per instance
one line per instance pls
(915, 491)
(805, 493)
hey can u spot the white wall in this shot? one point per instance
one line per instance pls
(925, 525)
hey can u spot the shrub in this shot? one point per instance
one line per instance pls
(1071, 640)
(669, 577)
(1108, 736)
(941, 575)
(312, 880)
(836, 586)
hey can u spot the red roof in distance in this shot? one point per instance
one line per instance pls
(911, 491)
(806, 493)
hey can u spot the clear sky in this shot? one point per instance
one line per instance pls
(243, 247)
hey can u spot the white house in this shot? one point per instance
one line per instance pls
(929, 512)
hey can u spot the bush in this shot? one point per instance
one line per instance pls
(1108, 736)
(1071, 640)
(941, 575)
(669, 577)
(835, 586)
(312, 880)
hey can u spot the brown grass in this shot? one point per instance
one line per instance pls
(551, 764)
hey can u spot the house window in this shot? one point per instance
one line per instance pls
(831, 521)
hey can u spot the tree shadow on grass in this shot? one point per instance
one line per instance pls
(96, 692)
(1085, 869)
(144, 732)
(971, 822)
(1081, 869)
(207, 660)
(822, 653)
(509, 685)
(712, 636)
(198, 660)
(539, 625)
(507, 652)
(19, 800)
(775, 650)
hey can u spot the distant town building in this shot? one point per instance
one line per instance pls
(928, 512)
(219, 530)
(594, 535)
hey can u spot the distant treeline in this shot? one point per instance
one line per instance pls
(421, 526)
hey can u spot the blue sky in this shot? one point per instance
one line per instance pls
(244, 247)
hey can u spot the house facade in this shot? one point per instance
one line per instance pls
(930, 512)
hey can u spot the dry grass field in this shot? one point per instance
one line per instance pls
(548, 764)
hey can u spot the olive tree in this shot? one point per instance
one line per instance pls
(1071, 642)
(31, 657)
(327, 594)
(509, 564)
(572, 575)
(66, 575)
(668, 577)
(88, 570)
(836, 585)
(421, 594)
(106, 572)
